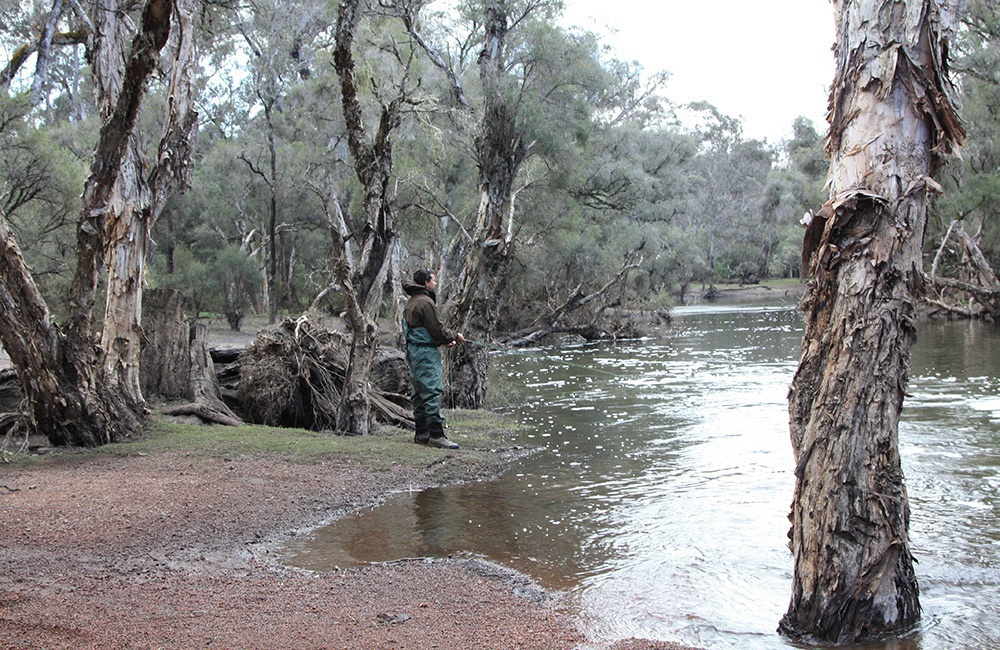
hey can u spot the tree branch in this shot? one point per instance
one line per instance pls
(456, 86)
(550, 322)
(42, 56)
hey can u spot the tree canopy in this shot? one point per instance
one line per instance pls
(485, 124)
(607, 159)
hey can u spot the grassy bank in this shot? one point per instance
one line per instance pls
(489, 443)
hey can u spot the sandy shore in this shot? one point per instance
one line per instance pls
(170, 550)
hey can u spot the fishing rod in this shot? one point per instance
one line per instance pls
(507, 348)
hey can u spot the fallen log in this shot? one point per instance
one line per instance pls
(979, 284)
(554, 321)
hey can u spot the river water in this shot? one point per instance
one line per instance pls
(659, 501)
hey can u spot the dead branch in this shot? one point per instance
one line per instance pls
(456, 86)
(22, 53)
(950, 309)
(8, 423)
(980, 264)
(941, 248)
(551, 323)
(975, 290)
(982, 285)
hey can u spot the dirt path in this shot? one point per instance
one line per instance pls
(173, 551)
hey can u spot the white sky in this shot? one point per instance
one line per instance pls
(765, 61)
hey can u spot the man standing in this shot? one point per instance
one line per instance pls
(424, 334)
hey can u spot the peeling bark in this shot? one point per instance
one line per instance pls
(891, 119)
(139, 199)
(501, 149)
(67, 400)
(99, 195)
(363, 284)
(70, 399)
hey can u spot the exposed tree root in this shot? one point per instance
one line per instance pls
(292, 375)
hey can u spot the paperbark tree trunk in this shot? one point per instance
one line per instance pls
(176, 362)
(501, 149)
(363, 283)
(138, 198)
(891, 119)
(67, 402)
(166, 358)
(70, 399)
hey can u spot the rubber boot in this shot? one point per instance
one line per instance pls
(437, 439)
(420, 434)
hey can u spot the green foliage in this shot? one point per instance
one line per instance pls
(792, 191)
(805, 150)
(730, 207)
(972, 178)
(224, 281)
(40, 180)
(236, 279)
(191, 277)
(609, 162)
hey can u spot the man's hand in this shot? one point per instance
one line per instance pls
(458, 339)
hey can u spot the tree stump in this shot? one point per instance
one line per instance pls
(176, 363)
(165, 361)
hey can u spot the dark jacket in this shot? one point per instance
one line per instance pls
(421, 311)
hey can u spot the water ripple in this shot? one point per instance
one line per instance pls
(660, 502)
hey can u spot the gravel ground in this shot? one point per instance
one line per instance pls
(174, 551)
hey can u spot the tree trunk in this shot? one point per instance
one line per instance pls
(475, 315)
(500, 151)
(70, 399)
(176, 363)
(67, 401)
(128, 237)
(41, 81)
(354, 415)
(166, 360)
(363, 284)
(891, 119)
(202, 383)
(272, 222)
(137, 204)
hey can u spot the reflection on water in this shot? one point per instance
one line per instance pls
(660, 498)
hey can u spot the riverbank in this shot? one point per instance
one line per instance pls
(774, 289)
(171, 541)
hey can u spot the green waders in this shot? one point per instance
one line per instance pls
(424, 360)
